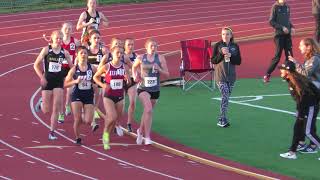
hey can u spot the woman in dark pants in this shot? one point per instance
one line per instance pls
(280, 21)
(306, 96)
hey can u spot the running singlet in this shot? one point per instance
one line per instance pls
(150, 78)
(53, 64)
(115, 78)
(95, 58)
(133, 57)
(71, 48)
(94, 24)
(86, 79)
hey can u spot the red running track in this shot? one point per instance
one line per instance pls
(24, 145)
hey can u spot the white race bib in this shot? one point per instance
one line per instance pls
(150, 81)
(72, 46)
(84, 85)
(99, 57)
(54, 67)
(116, 84)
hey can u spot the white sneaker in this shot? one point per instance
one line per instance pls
(119, 131)
(147, 141)
(288, 155)
(139, 137)
(52, 136)
(319, 159)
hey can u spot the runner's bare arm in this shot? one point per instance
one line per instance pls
(164, 68)
(98, 74)
(69, 81)
(38, 62)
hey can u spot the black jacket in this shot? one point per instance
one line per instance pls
(305, 100)
(280, 17)
(225, 71)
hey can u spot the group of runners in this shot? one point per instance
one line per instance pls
(89, 71)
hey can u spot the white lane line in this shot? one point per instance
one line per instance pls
(49, 167)
(83, 135)
(38, 142)
(221, 14)
(145, 150)
(12, 70)
(223, 6)
(15, 118)
(62, 130)
(20, 52)
(81, 153)
(31, 162)
(15, 136)
(46, 162)
(167, 155)
(219, 11)
(8, 155)
(93, 150)
(102, 159)
(111, 8)
(35, 123)
(5, 178)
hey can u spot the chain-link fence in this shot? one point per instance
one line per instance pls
(10, 6)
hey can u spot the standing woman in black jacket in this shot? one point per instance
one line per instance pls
(316, 14)
(226, 55)
(280, 21)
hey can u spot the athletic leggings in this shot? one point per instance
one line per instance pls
(306, 127)
(225, 90)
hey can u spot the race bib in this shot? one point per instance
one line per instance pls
(95, 26)
(150, 81)
(98, 21)
(116, 84)
(72, 46)
(54, 67)
(84, 85)
(99, 57)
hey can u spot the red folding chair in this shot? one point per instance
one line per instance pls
(195, 64)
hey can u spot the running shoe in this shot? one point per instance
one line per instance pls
(301, 147)
(119, 131)
(105, 141)
(61, 118)
(94, 126)
(52, 136)
(309, 150)
(147, 141)
(37, 107)
(266, 78)
(288, 155)
(78, 141)
(96, 115)
(68, 110)
(129, 128)
(139, 137)
(223, 122)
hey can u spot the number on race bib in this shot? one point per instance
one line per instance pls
(54, 67)
(116, 84)
(72, 46)
(150, 81)
(99, 57)
(84, 85)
